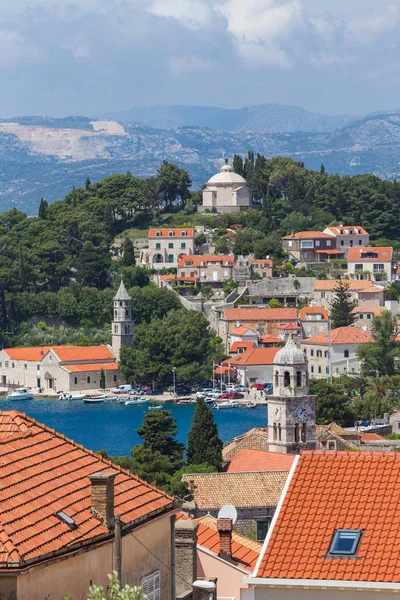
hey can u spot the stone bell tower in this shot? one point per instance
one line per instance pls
(122, 326)
(291, 409)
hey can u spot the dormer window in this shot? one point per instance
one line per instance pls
(170, 233)
(183, 233)
(345, 543)
(158, 233)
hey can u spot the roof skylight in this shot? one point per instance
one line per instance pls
(345, 543)
(66, 519)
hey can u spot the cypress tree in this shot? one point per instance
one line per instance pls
(43, 206)
(87, 184)
(204, 445)
(128, 253)
(102, 380)
(238, 164)
(342, 306)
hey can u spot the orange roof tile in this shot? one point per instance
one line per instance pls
(342, 335)
(198, 260)
(329, 284)
(64, 353)
(236, 346)
(250, 461)
(177, 231)
(242, 330)
(345, 230)
(329, 251)
(313, 310)
(112, 366)
(260, 314)
(307, 235)
(379, 253)
(330, 491)
(371, 437)
(253, 356)
(42, 472)
(270, 339)
(374, 310)
(290, 326)
(263, 262)
(168, 277)
(244, 550)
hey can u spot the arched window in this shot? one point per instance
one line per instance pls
(120, 304)
(286, 379)
(298, 379)
(75, 380)
(115, 378)
(297, 433)
(183, 233)
(115, 328)
(170, 233)
(274, 433)
(88, 379)
(279, 432)
(126, 329)
(304, 432)
(276, 379)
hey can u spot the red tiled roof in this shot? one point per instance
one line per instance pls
(380, 253)
(197, 259)
(167, 277)
(254, 356)
(338, 490)
(329, 251)
(329, 284)
(290, 326)
(242, 330)
(177, 231)
(374, 310)
(42, 472)
(64, 353)
(263, 262)
(260, 314)
(313, 310)
(345, 229)
(307, 235)
(270, 339)
(238, 345)
(371, 437)
(244, 550)
(111, 366)
(342, 335)
(250, 461)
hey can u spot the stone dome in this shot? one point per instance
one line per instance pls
(290, 354)
(226, 176)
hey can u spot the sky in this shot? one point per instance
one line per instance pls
(88, 57)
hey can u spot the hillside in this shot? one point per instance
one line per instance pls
(47, 157)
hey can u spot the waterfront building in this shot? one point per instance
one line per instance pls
(348, 236)
(58, 529)
(254, 365)
(331, 537)
(167, 246)
(226, 192)
(122, 326)
(291, 408)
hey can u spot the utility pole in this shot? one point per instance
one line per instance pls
(118, 548)
(174, 379)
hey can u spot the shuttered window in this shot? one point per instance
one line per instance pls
(151, 586)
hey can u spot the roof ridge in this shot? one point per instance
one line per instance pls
(226, 473)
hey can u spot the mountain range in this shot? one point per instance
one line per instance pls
(46, 157)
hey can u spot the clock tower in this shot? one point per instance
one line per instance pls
(291, 409)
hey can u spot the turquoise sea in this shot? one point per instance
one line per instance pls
(112, 426)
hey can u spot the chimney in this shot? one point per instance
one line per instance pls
(224, 527)
(102, 493)
(185, 555)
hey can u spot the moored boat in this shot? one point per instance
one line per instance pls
(251, 405)
(227, 404)
(20, 394)
(94, 399)
(159, 407)
(68, 396)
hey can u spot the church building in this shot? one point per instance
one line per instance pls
(122, 326)
(226, 192)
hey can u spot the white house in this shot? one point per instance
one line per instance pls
(373, 263)
(167, 246)
(348, 236)
(253, 366)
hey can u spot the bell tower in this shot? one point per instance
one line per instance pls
(291, 409)
(122, 326)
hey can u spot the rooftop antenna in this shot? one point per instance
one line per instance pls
(226, 161)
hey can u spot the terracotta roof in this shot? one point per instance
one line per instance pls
(42, 472)
(112, 366)
(198, 259)
(260, 314)
(338, 490)
(307, 235)
(177, 231)
(250, 461)
(255, 439)
(254, 356)
(263, 262)
(290, 326)
(244, 550)
(191, 279)
(345, 229)
(64, 353)
(341, 335)
(168, 277)
(371, 289)
(380, 253)
(336, 429)
(313, 310)
(242, 330)
(329, 251)
(270, 339)
(213, 490)
(371, 437)
(236, 346)
(374, 310)
(329, 284)
(32, 353)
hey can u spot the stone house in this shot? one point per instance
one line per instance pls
(343, 347)
(58, 524)
(362, 292)
(348, 236)
(366, 314)
(255, 439)
(310, 247)
(210, 269)
(226, 192)
(313, 320)
(261, 266)
(288, 290)
(329, 537)
(334, 437)
(371, 263)
(167, 246)
(254, 365)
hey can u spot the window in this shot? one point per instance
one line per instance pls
(170, 258)
(327, 370)
(290, 244)
(328, 242)
(361, 316)
(369, 315)
(312, 352)
(170, 245)
(262, 529)
(158, 233)
(317, 243)
(332, 445)
(351, 243)
(298, 379)
(151, 586)
(183, 233)
(319, 353)
(115, 328)
(319, 369)
(13, 365)
(115, 378)
(326, 353)
(304, 432)
(183, 245)
(346, 354)
(274, 432)
(306, 244)
(341, 242)
(25, 366)
(75, 381)
(297, 432)
(7, 365)
(360, 242)
(158, 246)
(286, 379)
(88, 379)
(323, 295)
(345, 542)
(358, 267)
(312, 368)
(170, 233)
(379, 267)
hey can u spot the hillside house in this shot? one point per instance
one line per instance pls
(363, 293)
(348, 236)
(167, 246)
(313, 320)
(288, 290)
(371, 263)
(310, 247)
(210, 269)
(366, 314)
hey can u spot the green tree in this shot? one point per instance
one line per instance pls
(274, 303)
(381, 356)
(128, 253)
(87, 183)
(158, 432)
(114, 591)
(174, 183)
(332, 403)
(43, 206)
(238, 164)
(342, 305)
(204, 445)
(207, 291)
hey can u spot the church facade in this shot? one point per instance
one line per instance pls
(226, 192)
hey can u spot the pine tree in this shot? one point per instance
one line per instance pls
(204, 445)
(322, 169)
(88, 183)
(43, 206)
(158, 432)
(342, 306)
(249, 169)
(128, 253)
(238, 164)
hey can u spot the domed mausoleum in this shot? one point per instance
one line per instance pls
(227, 192)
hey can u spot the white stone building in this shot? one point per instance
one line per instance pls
(226, 192)
(371, 263)
(348, 236)
(167, 246)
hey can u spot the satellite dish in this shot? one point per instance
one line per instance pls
(365, 327)
(228, 512)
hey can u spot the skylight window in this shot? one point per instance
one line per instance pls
(66, 519)
(345, 543)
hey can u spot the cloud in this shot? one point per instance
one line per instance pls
(370, 26)
(14, 49)
(190, 13)
(180, 65)
(322, 60)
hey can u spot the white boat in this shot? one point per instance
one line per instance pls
(227, 404)
(67, 396)
(20, 394)
(94, 399)
(155, 407)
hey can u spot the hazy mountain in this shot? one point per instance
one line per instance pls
(46, 157)
(265, 117)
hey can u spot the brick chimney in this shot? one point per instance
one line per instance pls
(224, 527)
(102, 493)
